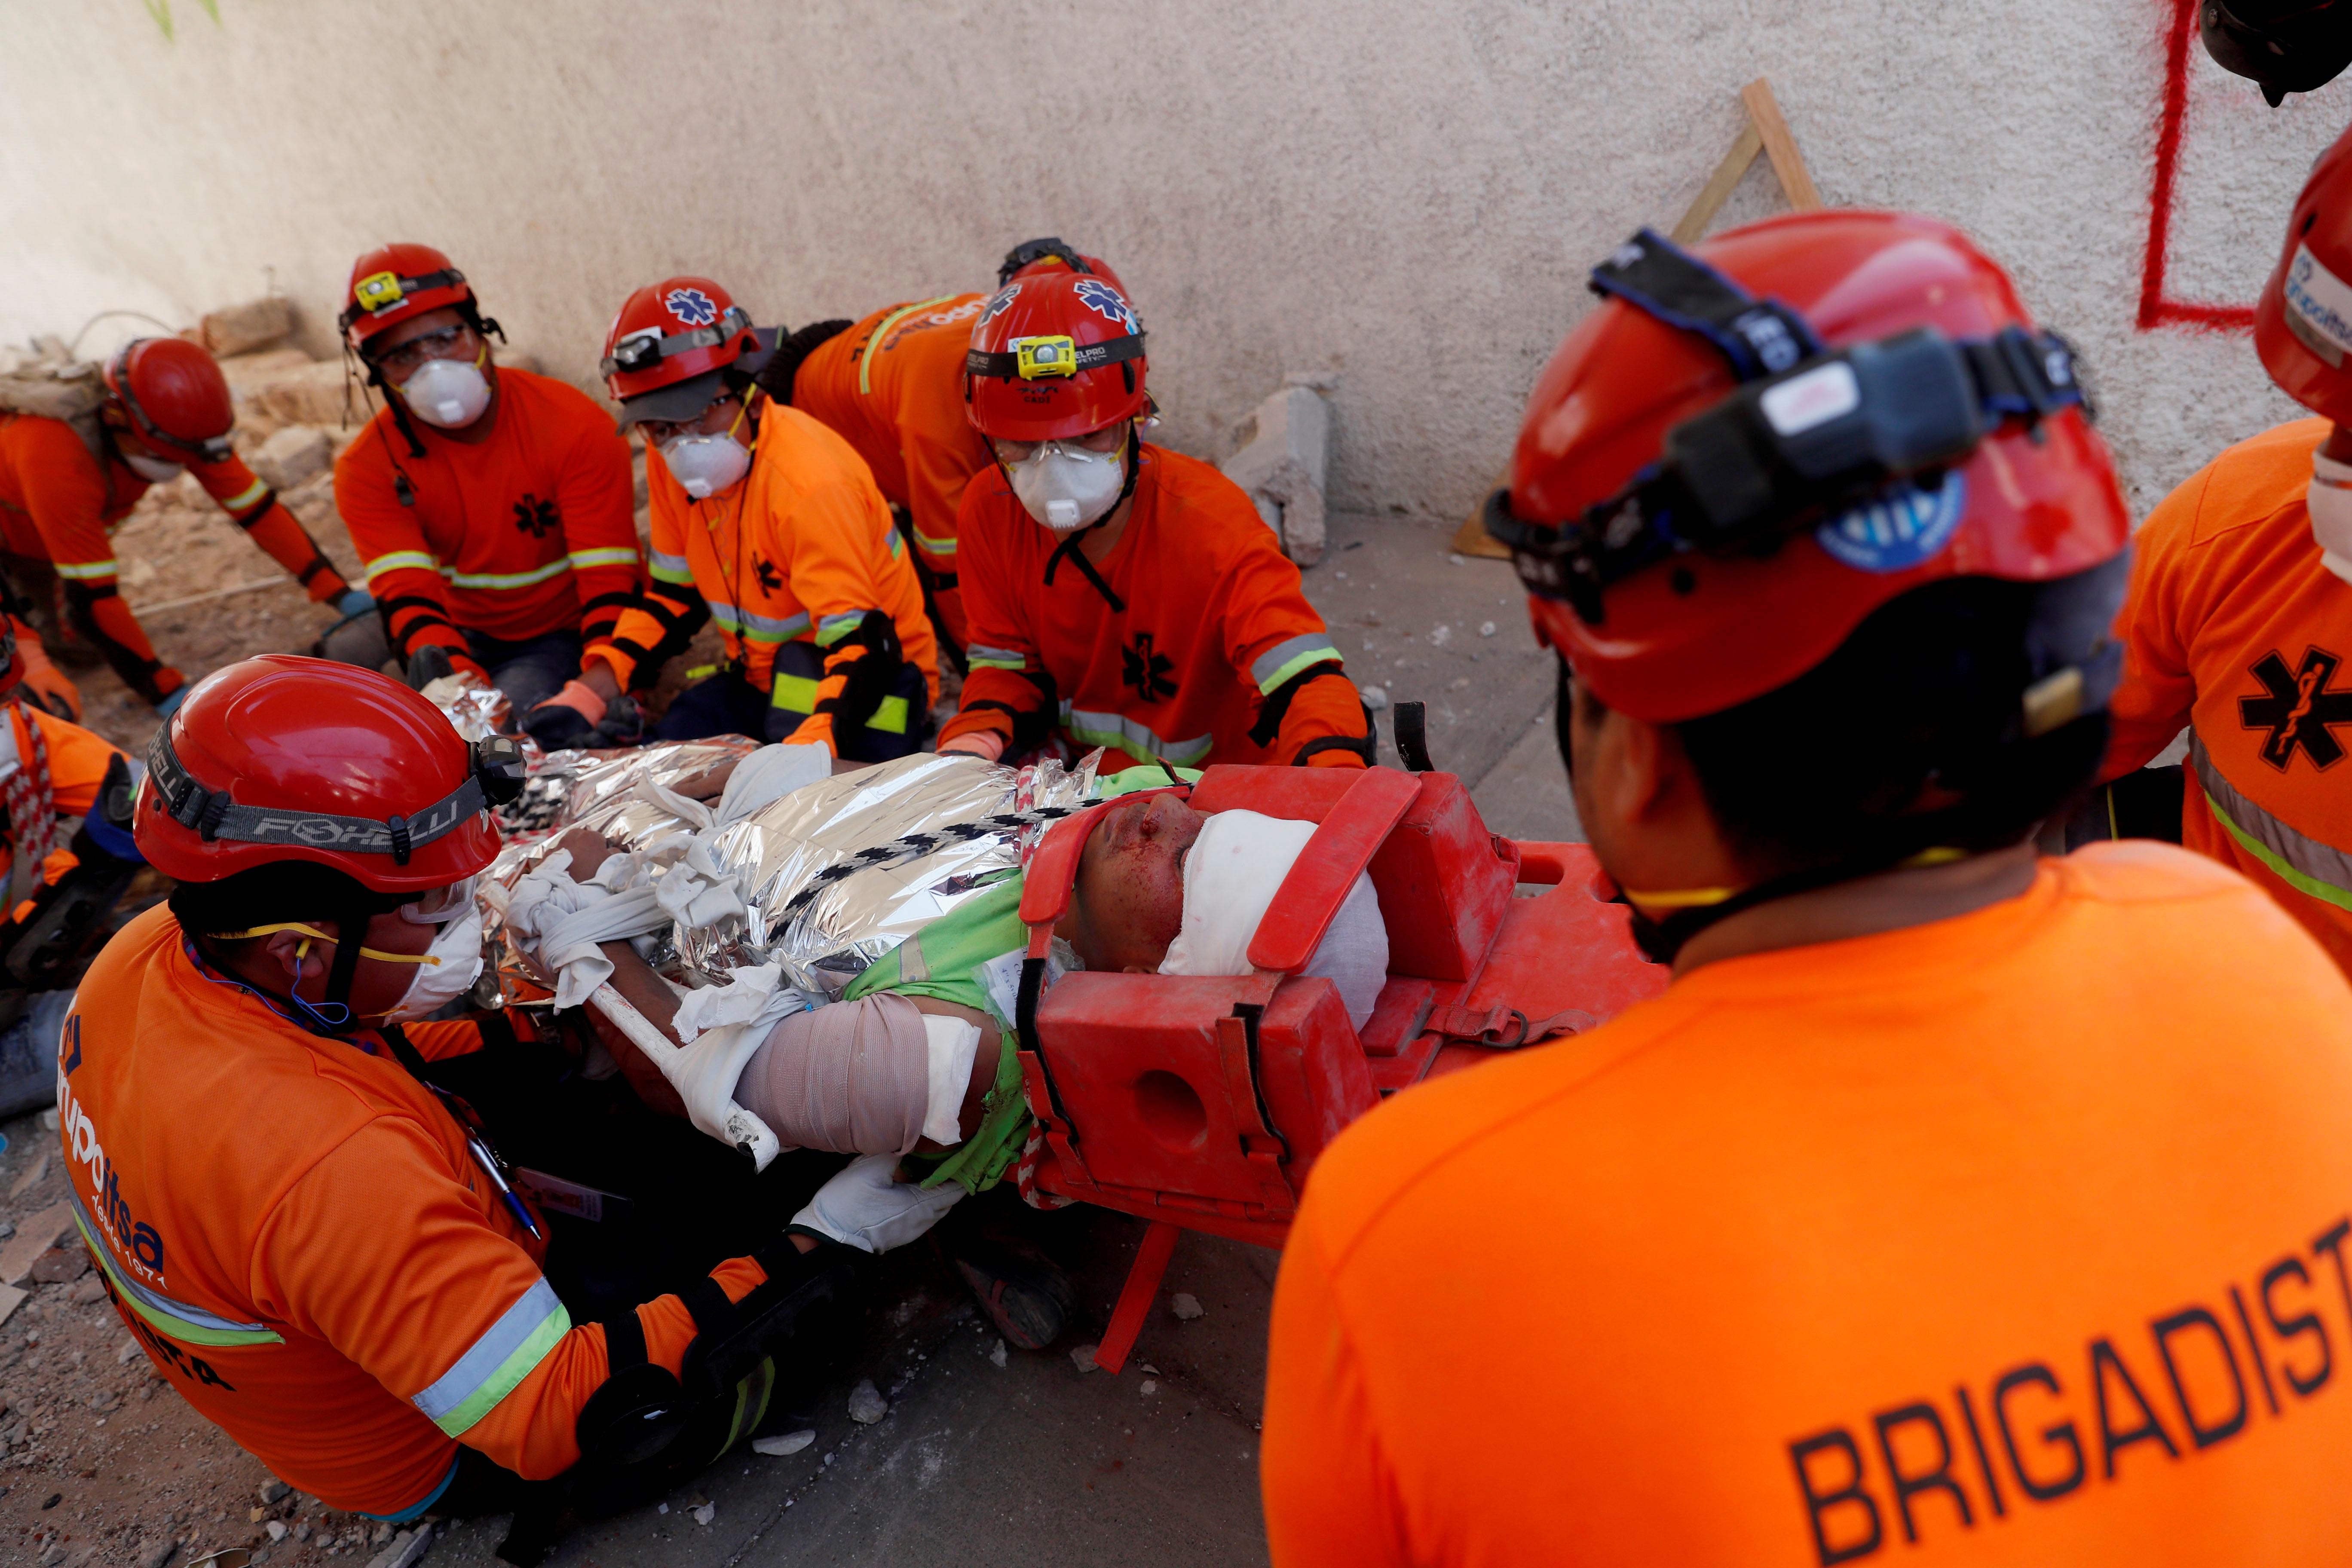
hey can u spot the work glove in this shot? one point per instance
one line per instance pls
(354, 602)
(865, 1207)
(433, 662)
(45, 685)
(576, 717)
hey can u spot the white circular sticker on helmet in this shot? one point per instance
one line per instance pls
(1900, 529)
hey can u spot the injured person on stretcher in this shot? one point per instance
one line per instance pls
(911, 1067)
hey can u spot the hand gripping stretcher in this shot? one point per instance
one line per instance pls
(1202, 1103)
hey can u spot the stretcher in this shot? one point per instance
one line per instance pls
(1204, 1103)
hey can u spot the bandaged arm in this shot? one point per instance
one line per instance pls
(882, 1075)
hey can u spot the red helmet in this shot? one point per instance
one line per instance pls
(396, 282)
(1055, 356)
(2303, 324)
(285, 758)
(1034, 258)
(1745, 451)
(178, 399)
(666, 351)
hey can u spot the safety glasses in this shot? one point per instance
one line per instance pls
(441, 905)
(449, 343)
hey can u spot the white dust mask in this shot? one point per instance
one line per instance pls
(2329, 498)
(155, 470)
(449, 392)
(704, 465)
(458, 947)
(1065, 487)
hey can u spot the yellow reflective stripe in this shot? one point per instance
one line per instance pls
(890, 716)
(506, 579)
(832, 628)
(583, 559)
(80, 570)
(401, 560)
(175, 1320)
(246, 497)
(1273, 679)
(936, 546)
(492, 1366)
(981, 656)
(794, 694)
(865, 360)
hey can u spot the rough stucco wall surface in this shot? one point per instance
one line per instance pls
(1406, 194)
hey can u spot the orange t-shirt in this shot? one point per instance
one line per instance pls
(1211, 623)
(59, 504)
(529, 531)
(893, 387)
(2234, 628)
(2015, 1237)
(298, 1234)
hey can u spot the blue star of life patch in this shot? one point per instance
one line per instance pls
(1105, 300)
(692, 306)
(997, 306)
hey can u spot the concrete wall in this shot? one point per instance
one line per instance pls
(1407, 195)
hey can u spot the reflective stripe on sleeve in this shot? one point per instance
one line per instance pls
(246, 496)
(768, 629)
(175, 1320)
(506, 579)
(672, 568)
(401, 560)
(2303, 863)
(794, 694)
(493, 1364)
(1285, 659)
(1118, 729)
(935, 546)
(982, 656)
(832, 628)
(83, 571)
(581, 560)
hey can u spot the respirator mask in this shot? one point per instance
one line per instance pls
(1066, 487)
(155, 470)
(2329, 497)
(449, 393)
(704, 465)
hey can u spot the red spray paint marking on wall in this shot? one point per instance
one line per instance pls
(2156, 309)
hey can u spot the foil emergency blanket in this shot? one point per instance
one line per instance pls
(838, 874)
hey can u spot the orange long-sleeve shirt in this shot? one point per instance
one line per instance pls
(298, 1234)
(2234, 628)
(2016, 1237)
(798, 551)
(893, 387)
(531, 531)
(58, 503)
(1212, 626)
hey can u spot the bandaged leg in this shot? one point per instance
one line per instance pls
(863, 1206)
(868, 1076)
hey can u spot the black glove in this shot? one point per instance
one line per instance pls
(429, 664)
(558, 727)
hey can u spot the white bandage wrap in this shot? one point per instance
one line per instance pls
(1235, 868)
(720, 1027)
(953, 1044)
(560, 922)
(863, 1207)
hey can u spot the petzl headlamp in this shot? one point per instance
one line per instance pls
(1831, 432)
(1036, 357)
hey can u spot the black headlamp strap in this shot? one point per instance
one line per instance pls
(215, 815)
(1086, 356)
(1759, 337)
(643, 350)
(448, 278)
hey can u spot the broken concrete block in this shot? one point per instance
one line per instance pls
(32, 1239)
(61, 1265)
(1282, 465)
(866, 1404)
(294, 454)
(1186, 1305)
(241, 329)
(313, 394)
(249, 373)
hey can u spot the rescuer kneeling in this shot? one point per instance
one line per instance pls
(321, 1249)
(1951, 1198)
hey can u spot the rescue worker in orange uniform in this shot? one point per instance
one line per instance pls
(767, 520)
(2241, 606)
(318, 1244)
(1952, 1205)
(65, 485)
(1117, 594)
(66, 856)
(494, 507)
(892, 384)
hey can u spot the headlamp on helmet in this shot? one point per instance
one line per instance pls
(1831, 432)
(1036, 357)
(378, 291)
